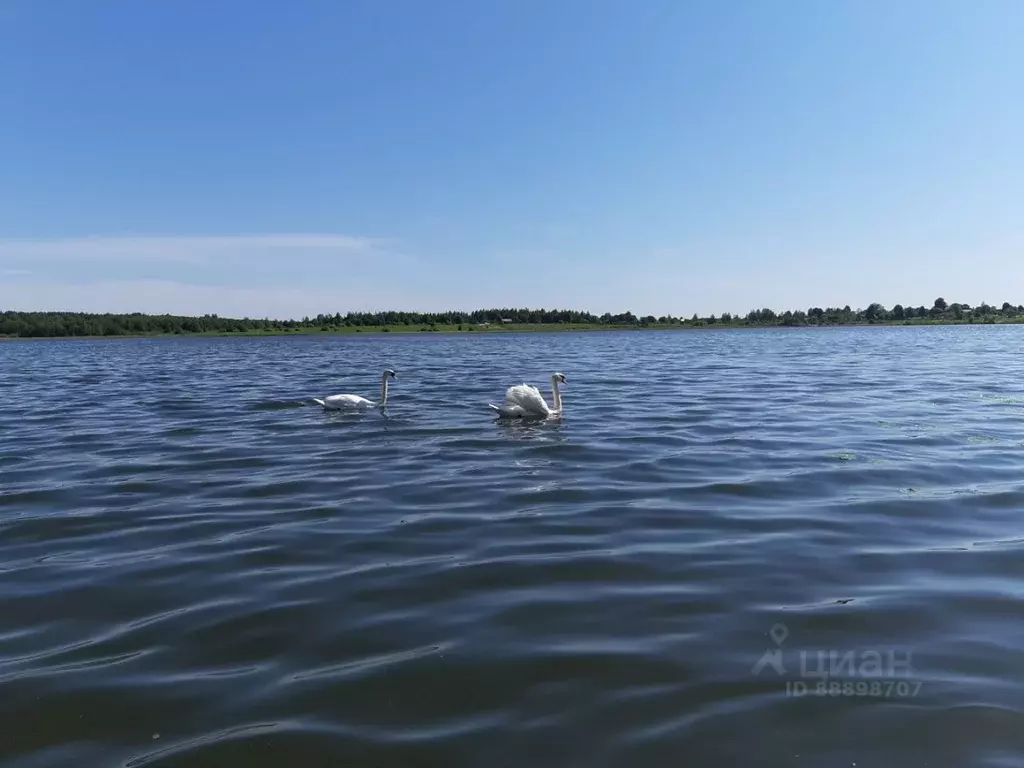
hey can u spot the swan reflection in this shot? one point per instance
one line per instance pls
(549, 429)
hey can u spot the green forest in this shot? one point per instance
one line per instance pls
(76, 324)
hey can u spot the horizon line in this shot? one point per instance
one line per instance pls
(846, 308)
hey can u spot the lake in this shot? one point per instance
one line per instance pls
(737, 548)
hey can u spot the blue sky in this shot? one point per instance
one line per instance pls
(283, 159)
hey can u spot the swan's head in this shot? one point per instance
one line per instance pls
(389, 374)
(559, 377)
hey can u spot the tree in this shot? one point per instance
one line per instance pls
(875, 311)
(75, 324)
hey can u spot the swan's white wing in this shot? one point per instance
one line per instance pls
(345, 401)
(528, 398)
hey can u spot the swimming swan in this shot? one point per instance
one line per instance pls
(337, 402)
(524, 401)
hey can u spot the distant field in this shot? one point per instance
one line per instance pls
(508, 328)
(397, 328)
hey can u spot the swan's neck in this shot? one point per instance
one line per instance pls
(383, 391)
(555, 394)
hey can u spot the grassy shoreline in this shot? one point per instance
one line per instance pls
(406, 330)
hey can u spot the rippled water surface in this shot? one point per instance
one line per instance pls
(200, 567)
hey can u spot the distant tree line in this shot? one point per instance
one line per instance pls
(940, 311)
(520, 316)
(65, 324)
(58, 324)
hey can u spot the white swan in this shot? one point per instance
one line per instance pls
(337, 402)
(523, 401)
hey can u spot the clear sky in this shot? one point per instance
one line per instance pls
(664, 156)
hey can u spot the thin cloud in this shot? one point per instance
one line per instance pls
(181, 249)
(167, 296)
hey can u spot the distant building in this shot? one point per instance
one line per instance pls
(505, 320)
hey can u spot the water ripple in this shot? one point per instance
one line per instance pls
(189, 584)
